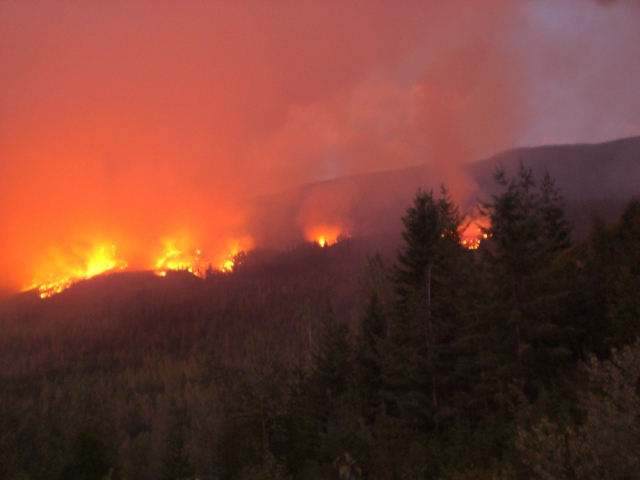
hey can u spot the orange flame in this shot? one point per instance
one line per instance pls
(227, 262)
(186, 259)
(473, 233)
(195, 262)
(323, 235)
(83, 264)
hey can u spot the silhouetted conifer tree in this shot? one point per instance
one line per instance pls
(428, 283)
(372, 334)
(526, 340)
(614, 275)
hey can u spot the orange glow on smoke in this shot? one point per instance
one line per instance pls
(474, 233)
(80, 265)
(139, 120)
(323, 235)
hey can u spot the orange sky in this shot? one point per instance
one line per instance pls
(137, 122)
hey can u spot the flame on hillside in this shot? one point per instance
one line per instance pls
(190, 260)
(82, 264)
(86, 264)
(474, 233)
(227, 262)
(324, 235)
(196, 262)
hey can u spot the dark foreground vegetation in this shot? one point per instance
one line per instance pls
(517, 360)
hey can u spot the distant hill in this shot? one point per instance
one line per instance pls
(147, 372)
(272, 292)
(594, 178)
(598, 178)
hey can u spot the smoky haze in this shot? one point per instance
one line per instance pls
(138, 124)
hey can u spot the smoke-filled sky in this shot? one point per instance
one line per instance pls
(138, 123)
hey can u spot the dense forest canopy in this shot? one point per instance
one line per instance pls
(515, 360)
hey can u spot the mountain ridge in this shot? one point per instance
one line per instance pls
(597, 178)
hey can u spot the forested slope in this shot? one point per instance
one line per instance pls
(433, 361)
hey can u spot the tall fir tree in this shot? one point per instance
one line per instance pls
(368, 361)
(525, 338)
(418, 362)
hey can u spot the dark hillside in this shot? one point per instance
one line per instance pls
(595, 178)
(310, 362)
(588, 172)
(116, 320)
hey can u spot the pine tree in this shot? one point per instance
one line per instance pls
(372, 333)
(522, 325)
(331, 361)
(428, 283)
(614, 265)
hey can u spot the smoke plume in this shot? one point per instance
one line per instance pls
(143, 124)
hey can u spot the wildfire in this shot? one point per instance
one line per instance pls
(234, 247)
(96, 261)
(323, 235)
(473, 234)
(83, 263)
(191, 261)
(195, 262)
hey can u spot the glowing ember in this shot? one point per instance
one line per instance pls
(474, 233)
(96, 261)
(323, 235)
